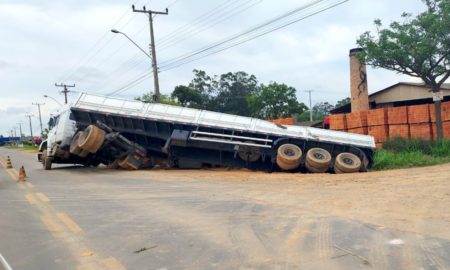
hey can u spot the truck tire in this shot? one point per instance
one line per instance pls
(288, 157)
(46, 161)
(74, 148)
(347, 163)
(248, 153)
(91, 139)
(313, 169)
(337, 171)
(318, 158)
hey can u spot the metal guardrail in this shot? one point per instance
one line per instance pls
(4, 264)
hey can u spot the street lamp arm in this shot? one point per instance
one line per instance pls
(135, 44)
(59, 103)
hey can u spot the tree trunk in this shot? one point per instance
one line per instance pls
(437, 110)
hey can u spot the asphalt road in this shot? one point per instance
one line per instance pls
(94, 218)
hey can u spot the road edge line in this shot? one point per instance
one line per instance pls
(4, 263)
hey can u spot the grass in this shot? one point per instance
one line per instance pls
(25, 147)
(401, 153)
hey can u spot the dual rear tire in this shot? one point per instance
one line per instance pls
(347, 163)
(88, 141)
(289, 156)
(317, 160)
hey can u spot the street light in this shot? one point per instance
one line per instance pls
(115, 31)
(59, 103)
(152, 58)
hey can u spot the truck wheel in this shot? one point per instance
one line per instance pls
(46, 161)
(347, 163)
(249, 154)
(318, 158)
(337, 171)
(91, 139)
(288, 157)
(313, 169)
(74, 148)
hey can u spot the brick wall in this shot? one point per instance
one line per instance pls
(416, 121)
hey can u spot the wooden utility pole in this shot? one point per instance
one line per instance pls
(31, 128)
(150, 14)
(65, 91)
(40, 117)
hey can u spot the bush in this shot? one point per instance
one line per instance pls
(402, 153)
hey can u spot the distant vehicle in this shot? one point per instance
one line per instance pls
(7, 140)
(132, 134)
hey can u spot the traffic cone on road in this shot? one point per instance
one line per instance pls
(22, 174)
(8, 163)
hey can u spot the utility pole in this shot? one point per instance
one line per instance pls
(31, 128)
(40, 117)
(65, 91)
(152, 46)
(310, 105)
(20, 130)
(15, 132)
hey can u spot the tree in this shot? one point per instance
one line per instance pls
(322, 109)
(274, 101)
(226, 93)
(189, 97)
(343, 102)
(419, 47)
(232, 91)
(164, 99)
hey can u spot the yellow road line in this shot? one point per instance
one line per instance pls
(42, 197)
(28, 184)
(72, 225)
(112, 263)
(53, 227)
(31, 199)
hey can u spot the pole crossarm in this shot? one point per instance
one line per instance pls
(65, 91)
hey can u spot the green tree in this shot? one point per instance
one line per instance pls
(164, 99)
(189, 97)
(274, 101)
(232, 91)
(418, 46)
(322, 109)
(343, 102)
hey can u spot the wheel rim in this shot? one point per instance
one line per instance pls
(319, 156)
(289, 152)
(348, 161)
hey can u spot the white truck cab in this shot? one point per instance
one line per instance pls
(60, 135)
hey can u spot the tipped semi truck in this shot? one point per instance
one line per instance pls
(133, 135)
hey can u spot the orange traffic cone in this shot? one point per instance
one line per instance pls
(22, 174)
(8, 163)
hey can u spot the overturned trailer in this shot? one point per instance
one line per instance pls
(192, 138)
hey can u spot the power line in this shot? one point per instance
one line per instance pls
(179, 61)
(131, 83)
(174, 64)
(77, 64)
(214, 45)
(189, 34)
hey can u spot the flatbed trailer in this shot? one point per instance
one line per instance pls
(192, 138)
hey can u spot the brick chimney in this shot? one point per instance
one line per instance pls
(358, 82)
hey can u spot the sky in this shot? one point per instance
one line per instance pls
(45, 42)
